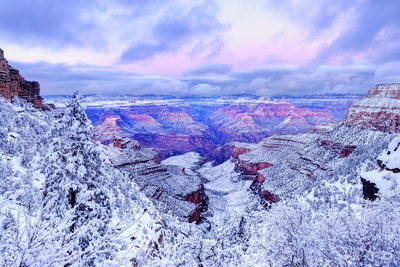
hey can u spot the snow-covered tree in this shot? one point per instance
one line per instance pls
(76, 193)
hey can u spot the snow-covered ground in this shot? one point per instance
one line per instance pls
(387, 178)
(227, 193)
(190, 161)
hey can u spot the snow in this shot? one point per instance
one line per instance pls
(223, 185)
(228, 194)
(391, 157)
(81, 171)
(366, 236)
(338, 192)
(191, 160)
(16, 165)
(375, 104)
(223, 170)
(284, 122)
(385, 179)
(249, 146)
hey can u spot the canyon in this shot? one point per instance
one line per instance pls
(303, 151)
(206, 174)
(287, 166)
(201, 158)
(206, 125)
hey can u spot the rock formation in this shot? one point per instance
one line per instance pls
(380, 110)
(279, 167)
(229, 150)
(168, 187)
(252, 122)
(12, 84)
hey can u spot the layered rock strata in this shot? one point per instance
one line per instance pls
(379, 110)
(174, 130)
(169, 187)
(12, 84)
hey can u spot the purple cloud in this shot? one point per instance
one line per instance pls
(209, 69)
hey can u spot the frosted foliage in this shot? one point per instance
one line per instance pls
(290, 235)
(22, 132)
(61, 202)
(223, 245)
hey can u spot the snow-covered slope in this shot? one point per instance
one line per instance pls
(188, 162)
(387, 177)
(228, 194)
(33, 232)
(168, 185)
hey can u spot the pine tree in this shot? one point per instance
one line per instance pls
(76, 195)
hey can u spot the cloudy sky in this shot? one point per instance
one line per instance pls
(263, 47)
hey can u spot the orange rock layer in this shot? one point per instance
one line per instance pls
(379, 111)
(12, 84)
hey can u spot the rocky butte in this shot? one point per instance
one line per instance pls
(12, 84)
(380, 110)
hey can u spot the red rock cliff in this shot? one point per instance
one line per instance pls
(12, 84)
(379, 110)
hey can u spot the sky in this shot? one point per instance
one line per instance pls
(216, 47)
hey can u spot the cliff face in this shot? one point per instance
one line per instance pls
(244, 122)
(379, 111)
(12, 84)
(171, 188)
